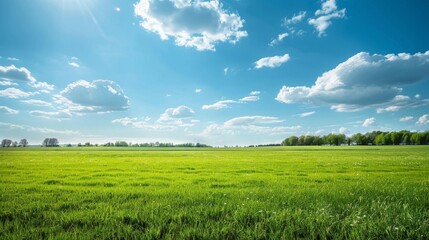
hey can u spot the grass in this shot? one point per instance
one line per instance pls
(248, 193)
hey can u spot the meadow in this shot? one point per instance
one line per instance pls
(343, 192)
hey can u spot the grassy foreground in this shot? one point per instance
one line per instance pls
(258, 193)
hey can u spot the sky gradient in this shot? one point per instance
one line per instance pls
(217, 72)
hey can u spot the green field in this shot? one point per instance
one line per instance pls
(247, 193)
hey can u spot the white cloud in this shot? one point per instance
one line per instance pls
(177, 113)
(295, 19)
(198, 24)
(343, 130)
(306, 114)
(423, 120)
(417, 96)
(7, 110)
(328, 7)
(95, 96)
(319, 132)
(218, 105)
(12, 73)
(406, 119)
(252, 97)
(368, 122)
(364, 80)
(118, 9)
(15, 93)
(59, 115)
(252, 120)
(279, 39)
(272, 62)
(225, 70)
(323, 17)
(74, 64)
(250, 124)
(37, 129)
(198, 90)
(7, 83)
(141, 123)
(171, 119)
(36, 102)
(12, 59)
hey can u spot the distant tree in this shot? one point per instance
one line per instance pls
(87, 144)
(379, 139)
(407, 140)
(387, 139)
(308, 140)
(395, 138)
(357, 138)
(6, 142)
(317, 141)
(349, 141)
(50, 142)
(79, 144)
(121, 144)
(417, 138)
(293, 141)
(23, 142)
(14, 144)
(301, 140)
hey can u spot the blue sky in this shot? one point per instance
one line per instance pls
(217, 72)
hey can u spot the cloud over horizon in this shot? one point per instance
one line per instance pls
(363, 80)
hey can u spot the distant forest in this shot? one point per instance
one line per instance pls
(152, 144)
(403, 137)
(371, 138)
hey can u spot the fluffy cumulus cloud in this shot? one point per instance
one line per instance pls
(324, 16)
(22, 75)
(250, 124)
(406, 119)
(279, 39)
(177, 113)
(252, 97)
(95, 96)
(171, 119)
(15, 93)
(368, 122)
(8, 110)
(176, 19)
(272, 62)
(364, 80)
(343, 130)
(423, 120)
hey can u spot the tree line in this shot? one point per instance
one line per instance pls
(403, 137)
(152, 144)
(9, 143)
